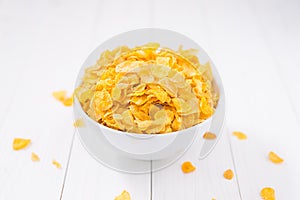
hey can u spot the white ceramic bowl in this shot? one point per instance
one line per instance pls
(144, 146)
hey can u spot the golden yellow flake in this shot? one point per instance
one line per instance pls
(20, 143)
(59, 95)
(68, 101)
(209, 136)
(267, 193)
(56, 164)
(275, 158)
(78, 123)
(228, 174)
(240, 135)
(123, 196)
(34, 157)
(187, 167)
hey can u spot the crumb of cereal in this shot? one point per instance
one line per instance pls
(61, 96)
(209, 136)
(240, 135)
(267, 193)
(123, 196)
(20, 143)
(35, 157)
(275, 158)
(56, 164)
(187, 167)
(78, 123)
(228, 174)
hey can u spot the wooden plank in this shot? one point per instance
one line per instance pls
(86, 178)
(279, 23)
(46, 43)
(115, 16)
(16, 37)
(34, 114)
(257, 100)
(206, 182)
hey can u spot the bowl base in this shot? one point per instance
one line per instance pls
(106, 154)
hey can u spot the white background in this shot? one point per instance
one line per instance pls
(254, 44)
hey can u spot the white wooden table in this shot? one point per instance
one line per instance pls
(254, 44)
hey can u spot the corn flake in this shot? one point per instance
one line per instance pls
(181, 106)
(127, 118)
(228, 174)
(56, 164)
(123, 196)
(160, 71)
(34, 157)
(267, 193)
(209, 136)
(240, 135)
(20, 143)
(275, 158)
(68, 101)
(116, 93)
(187, 167)
(59, 95)
(78, 123)
(102, 101)
(177, 122)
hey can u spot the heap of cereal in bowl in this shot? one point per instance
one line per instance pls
(148, 89)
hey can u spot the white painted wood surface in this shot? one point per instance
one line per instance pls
(254, 44)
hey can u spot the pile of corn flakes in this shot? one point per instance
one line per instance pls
(148, 89)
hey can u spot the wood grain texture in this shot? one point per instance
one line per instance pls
(259, 94)
(88, 179)
(206, 182)
(39, 57)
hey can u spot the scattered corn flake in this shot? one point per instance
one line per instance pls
(240, 135)
(209, 136)
(123, 196)
(275, 158)
(78, 123)
(59, 95)
(20, 143)
(187, 167)
(267, 193)
(68, 101)
(35, 157)
(56, 164)
(228, 174)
